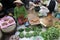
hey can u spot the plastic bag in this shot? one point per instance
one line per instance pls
(44, 10)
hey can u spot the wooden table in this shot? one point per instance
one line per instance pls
(48, 22)
(45, 21)
(33, 15)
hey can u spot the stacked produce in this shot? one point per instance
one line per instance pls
(29, 32)
(51, 34)
(57, 24)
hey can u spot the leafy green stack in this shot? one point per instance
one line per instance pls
(51, 34)
(35, 31)
(57, 24)
(27, 29)
(28, 35)
(21, 35)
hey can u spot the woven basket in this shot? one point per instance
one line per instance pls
(9, 29)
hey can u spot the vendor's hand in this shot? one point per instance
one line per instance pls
(25, 20)
(10, 14)
(31, 8)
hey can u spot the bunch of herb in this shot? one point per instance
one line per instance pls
(28, 35)
(51, 34)
(21, 35)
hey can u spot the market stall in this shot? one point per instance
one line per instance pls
(46, 26)
(41, 24)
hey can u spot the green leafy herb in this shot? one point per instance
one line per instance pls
(51, 34)
(28, 35)
(21, 35)
(27, 29)
(35, 33)
(21, 30)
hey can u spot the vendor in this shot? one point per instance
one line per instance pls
(2, 11)
(58, 5)
(51, 5)
(8, 6)
(26, 3)
(19, 10)
(57, 14)
(58, 1)
(35, 5)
